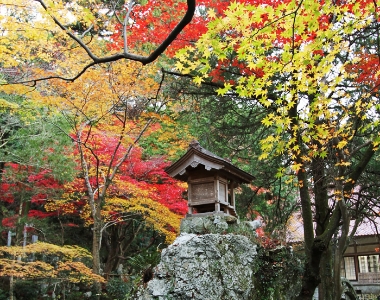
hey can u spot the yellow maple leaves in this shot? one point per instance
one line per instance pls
(38, 36)
(298, 50)
(68, 268)
(102, 92)
(155, 214)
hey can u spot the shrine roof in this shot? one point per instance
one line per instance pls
(197, 155)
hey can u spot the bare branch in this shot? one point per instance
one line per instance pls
(125, 23)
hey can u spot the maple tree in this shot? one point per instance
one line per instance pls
(38, 261)
(151, 21)
(306, 68)
(24, 191)
(61, 39)
(110, 109)
(33, 160)
(141, 196)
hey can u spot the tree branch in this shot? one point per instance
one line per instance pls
(125, 55)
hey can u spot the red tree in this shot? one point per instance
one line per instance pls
(140, 193)
(24, 191)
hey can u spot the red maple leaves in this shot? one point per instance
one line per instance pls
(26, 187)
(153, 21)
(137, 174)
(367, 70)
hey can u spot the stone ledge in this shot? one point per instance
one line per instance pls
(214, 223)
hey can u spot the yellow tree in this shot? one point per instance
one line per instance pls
(302, 63)
(38, 262)
(62, 39)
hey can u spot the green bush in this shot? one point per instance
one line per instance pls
(3, 295)
(26, 290)
(278, 273)
(117, 289)
(74, 295)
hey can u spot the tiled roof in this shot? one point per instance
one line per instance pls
(368, 227)
(197, 155)
(294, 232)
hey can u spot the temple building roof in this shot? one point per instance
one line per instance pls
(197, 157)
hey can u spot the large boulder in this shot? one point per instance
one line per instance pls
(204, 267)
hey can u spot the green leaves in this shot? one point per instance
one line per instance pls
(297, 50)
(223, 91)
(7, 105)
(30, 136)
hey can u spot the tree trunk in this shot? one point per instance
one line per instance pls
(313, 246)
(11, 288)
(96, 247)
(96, 244)
(326, 287)
(113, 250)
(311, 277)
(338, 290)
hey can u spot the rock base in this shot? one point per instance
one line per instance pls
(204, 267)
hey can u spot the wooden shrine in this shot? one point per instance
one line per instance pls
(211, 181)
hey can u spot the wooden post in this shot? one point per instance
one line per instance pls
(232, 196)
(217, 207)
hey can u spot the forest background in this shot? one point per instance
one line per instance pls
(98, 97)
